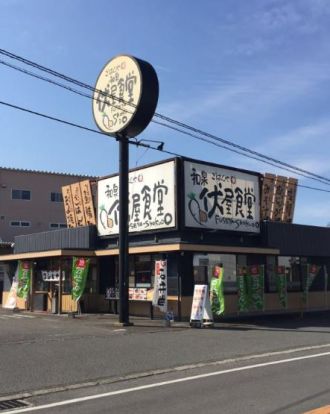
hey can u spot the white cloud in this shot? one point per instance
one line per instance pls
(257, 93)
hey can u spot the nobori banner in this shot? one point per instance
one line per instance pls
(151, 203)
(221, 198)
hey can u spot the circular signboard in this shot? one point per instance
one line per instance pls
(125, 96)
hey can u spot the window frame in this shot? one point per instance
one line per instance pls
(22, 223)
(57, 226)
(21, 192)
(56, 195)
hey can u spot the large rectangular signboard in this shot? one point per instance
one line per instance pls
(151, 203)
(220, 198)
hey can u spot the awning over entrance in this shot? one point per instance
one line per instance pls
(45, 254)
(163, 248)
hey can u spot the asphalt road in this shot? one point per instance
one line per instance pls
(90, 355)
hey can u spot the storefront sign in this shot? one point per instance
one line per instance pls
(125, 97)
(78, 204)
(201, 307)
(160, 286)
(278, 198)
(151, 200)
(24, 279)
(219, 198)
(137, 293)
(87, 202)
(80, 268)
(281, 285)
(68, 206)
(198, 303)
(52, 275)
(112, 293)
(217, 297)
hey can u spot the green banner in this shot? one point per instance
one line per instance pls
(242, 286)
(281, 286)
(79, 276)
(24, 279)
(256, 296)
(250, 284)
(310, 274)
(217, 297)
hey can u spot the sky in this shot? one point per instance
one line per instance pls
(255, 72)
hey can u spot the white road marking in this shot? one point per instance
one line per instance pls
(16, 316)
(163, 383)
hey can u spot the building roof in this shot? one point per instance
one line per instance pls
(25, 170)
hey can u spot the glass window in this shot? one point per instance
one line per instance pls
(271, 274)
(292, 271)
(57, 226)
(143, 271)
(317, 273)
(20, 223)
(203, 267)
(200, 269)
(56, 197)
(21, 194)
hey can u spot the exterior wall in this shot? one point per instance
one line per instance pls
(317, 301)
(40, 211)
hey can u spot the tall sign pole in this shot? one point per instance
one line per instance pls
(124, 102)
(123, 230)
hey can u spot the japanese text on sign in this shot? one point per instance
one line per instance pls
(219, 198)
(117, 94)
(151, 200)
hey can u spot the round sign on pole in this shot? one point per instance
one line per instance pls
(125, 96)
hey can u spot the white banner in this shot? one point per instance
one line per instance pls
(160, 286)
(151, 201)
(219, 198)
(11, 301)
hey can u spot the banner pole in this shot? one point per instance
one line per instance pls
(31, 286)
(325, 271)
(59, 298)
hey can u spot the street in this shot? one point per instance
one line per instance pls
(89, 364)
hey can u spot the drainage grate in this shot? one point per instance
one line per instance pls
(11, 404)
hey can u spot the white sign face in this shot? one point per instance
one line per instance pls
(198, 303)
(52, 275)
(117, 94)
(221, 199)
(151, 202)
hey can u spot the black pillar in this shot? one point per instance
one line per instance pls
(123, 230)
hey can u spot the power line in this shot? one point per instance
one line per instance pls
(244, 150)
(136, 143)
(26, 72)
(245, 155)
(62, 121)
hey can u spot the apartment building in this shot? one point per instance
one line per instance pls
(31, 201)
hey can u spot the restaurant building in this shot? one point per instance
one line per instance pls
(189, 216)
